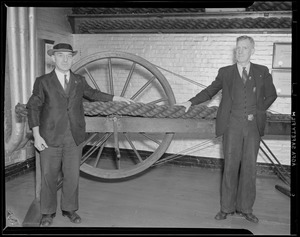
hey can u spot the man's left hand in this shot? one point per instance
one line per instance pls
(122, 99)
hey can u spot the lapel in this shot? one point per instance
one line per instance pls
(232, 79)
(73, 86)
(57, 84)
(255, 75)
(74, 81)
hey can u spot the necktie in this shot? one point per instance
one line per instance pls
(244, 75)
(66, 83)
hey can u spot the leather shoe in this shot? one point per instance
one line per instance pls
(47, 220)
(222, 215)
(73, 216)
(248, 216)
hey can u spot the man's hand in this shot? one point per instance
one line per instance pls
(21, 110)
(122, 99)
(186, 104)
(39, 142)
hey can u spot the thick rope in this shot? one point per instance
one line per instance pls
(152, 111)
(148, 110)
(160, 111)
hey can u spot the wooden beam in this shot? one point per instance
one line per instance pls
(168, 125)
(150, 125)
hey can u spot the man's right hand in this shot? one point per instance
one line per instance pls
(39, 142)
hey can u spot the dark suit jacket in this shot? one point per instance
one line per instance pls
(265, 94)
(50, 108)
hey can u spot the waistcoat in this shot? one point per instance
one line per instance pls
(244, 97)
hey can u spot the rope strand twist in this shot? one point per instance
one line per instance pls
(99, 108)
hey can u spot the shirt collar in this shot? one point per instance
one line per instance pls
(240, 67)
(61, 74)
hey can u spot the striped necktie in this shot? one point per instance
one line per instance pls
(66, 83)
(244, 75)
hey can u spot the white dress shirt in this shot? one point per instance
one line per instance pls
(61, 77)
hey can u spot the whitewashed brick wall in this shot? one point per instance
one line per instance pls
(197, 57)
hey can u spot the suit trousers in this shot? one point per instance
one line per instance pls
(65, 159)
(240, 147)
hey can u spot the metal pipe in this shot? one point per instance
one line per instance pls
(28, 81)
(13, 52)
(23, 49)
(116, 140)
(275, 158)
(14, 74)
(32, 46)
(283, 178)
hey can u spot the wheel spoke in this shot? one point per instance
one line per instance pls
(89, 139)
(90, 151)
(128, 79)
(152, 139)
(111, 81)
(95, 147)
(92, 79)
(133, 147)
(143, 88)
(99, 154)
(157, 101)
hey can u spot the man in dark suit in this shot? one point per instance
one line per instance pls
(56, 116)
(247, 92)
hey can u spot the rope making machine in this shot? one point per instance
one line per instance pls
(147, 127)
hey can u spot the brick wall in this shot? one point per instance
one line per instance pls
(197, 57)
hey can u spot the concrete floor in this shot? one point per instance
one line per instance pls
(166, 196)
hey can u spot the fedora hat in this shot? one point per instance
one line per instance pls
(62, 47)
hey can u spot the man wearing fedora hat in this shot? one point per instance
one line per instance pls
(56, 116)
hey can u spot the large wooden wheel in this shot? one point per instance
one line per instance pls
(136, 142)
